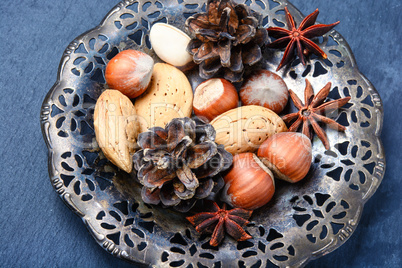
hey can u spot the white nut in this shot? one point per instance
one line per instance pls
(170, 44)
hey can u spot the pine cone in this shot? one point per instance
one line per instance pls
(227, 37)
(179, 165)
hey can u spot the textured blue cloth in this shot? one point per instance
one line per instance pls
(38, 230)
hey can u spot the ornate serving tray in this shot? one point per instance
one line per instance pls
(303, 221)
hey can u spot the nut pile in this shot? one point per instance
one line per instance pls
(222, 143)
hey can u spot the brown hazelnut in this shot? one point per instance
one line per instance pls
(129, 72)
(214, 97)
(288, 155)
(264, 88)
(249, 184)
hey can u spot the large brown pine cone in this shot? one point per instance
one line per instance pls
(179, 165)
(226, 38)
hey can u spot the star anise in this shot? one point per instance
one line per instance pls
(219, 220)
(313, 111)
(299, 38)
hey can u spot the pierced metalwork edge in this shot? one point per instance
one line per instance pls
(108, 245)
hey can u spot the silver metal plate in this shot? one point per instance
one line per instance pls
(303, 221)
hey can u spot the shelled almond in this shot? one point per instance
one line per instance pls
(170, 44)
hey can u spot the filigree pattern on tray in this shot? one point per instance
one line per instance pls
(304, 221)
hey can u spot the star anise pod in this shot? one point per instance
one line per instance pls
(313, 111)
(219, 221)
(179, 164)
(227, 37)
(299, 38)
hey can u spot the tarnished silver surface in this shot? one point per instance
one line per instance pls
(304, 221)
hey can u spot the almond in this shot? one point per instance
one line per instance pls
(116, 128)
(168, 96)
(245, 128)
(170, 44)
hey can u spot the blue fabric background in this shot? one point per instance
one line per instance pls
(38, 230)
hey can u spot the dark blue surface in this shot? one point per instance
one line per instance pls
(38, 230)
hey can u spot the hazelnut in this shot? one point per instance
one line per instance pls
(248, 184)
(214, 97)
(288, 155)
(264, 88)
(129, 72)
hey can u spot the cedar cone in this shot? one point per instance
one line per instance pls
(179, 165)
(227, 37)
